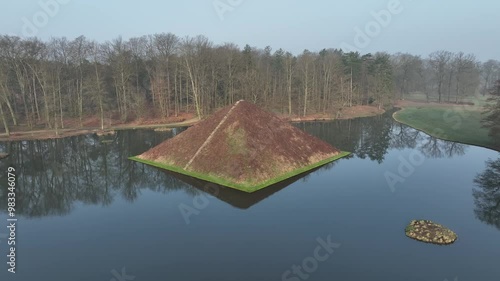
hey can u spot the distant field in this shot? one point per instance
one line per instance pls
(460, 124)
(477, 100)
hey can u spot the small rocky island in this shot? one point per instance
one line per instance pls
(430, 232)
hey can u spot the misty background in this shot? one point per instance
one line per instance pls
(421, 28)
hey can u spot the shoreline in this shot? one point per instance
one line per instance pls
(65, 133)
(46, 134)
(401, 108)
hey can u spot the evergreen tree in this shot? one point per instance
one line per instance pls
(492, 120)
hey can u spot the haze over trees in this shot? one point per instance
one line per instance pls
(492, 119)
(45, 84)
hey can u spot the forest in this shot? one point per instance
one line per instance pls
(59, 83)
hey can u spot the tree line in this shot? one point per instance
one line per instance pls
(45, 83)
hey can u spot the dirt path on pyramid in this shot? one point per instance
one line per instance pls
(211, 135)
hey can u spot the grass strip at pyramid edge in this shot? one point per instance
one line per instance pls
(249, 188)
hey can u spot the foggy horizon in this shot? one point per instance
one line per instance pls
(393, 26)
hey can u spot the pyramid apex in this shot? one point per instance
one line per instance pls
(242, 102)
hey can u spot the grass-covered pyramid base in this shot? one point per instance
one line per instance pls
(242, 147)
(430, 232)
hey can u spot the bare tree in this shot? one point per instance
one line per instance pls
(439, 62)
(490, 72)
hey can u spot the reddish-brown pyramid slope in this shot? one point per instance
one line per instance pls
(243, 147)
(180, 149)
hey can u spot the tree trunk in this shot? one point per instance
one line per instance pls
(99, 93)
(5, 125)
(306, 90)
(60, 101)
(195, 90)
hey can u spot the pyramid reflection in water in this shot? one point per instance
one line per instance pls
(237, 198)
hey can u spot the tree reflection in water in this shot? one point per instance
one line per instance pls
(487, 194)
(54, 174)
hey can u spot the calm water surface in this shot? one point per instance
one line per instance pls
(87, 213)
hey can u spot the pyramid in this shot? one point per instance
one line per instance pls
(242, 147)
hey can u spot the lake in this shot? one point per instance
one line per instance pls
(86, 212)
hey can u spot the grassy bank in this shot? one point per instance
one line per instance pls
(457, 123)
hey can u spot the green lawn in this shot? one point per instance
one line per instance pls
(478, 100)
(459, 124)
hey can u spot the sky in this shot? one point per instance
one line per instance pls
(418, 27)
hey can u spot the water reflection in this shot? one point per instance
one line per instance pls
(487, 194)
(372, 138)
(240, 199)
(53, 175)
(366, 137)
